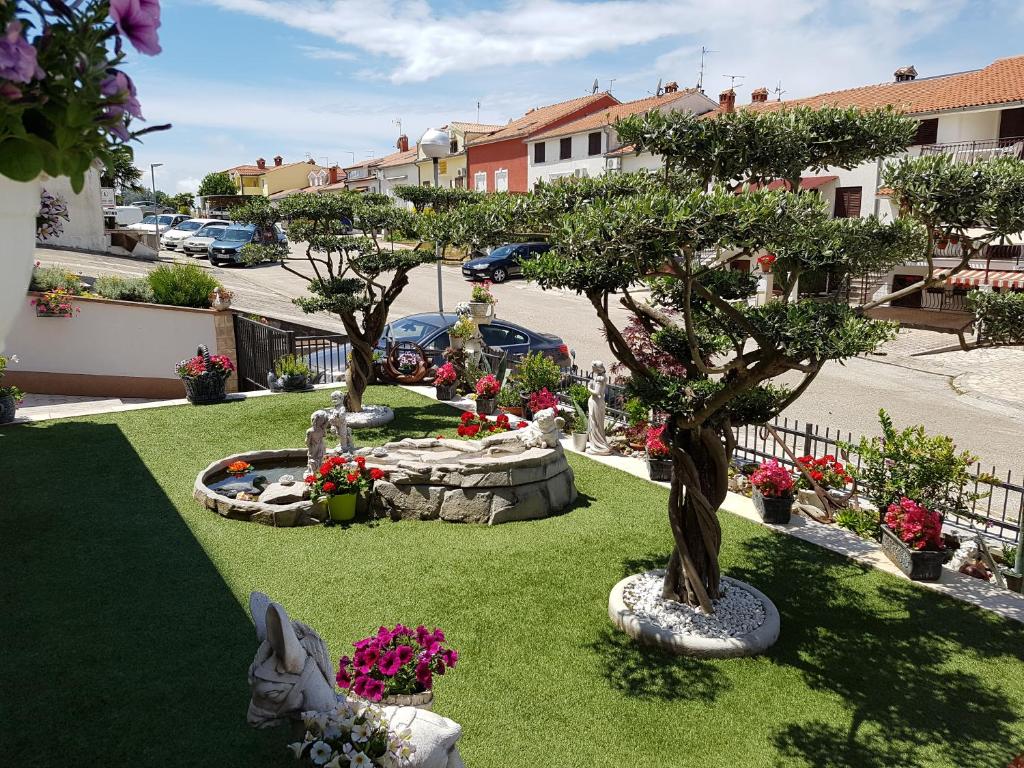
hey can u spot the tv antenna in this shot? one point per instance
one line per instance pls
(700, 77)
(733, 79)
(398, 121)
(611, 82)
(777, 90)
(478, 112)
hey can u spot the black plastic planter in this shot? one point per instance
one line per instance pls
(659, 470)
(919, 565)
(485, 406)
(445, 391)
(773, 509)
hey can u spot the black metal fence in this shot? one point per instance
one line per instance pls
(1000, 510)
(258, 345)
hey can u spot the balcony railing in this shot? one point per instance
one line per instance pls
(971, 151)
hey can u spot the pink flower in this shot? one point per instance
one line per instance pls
(390, 663)
(404, 654)
(373, 689)
(343, 678)
(17, 57)
(138, 20)
(450, 657)
(423, 674)
(122, 91)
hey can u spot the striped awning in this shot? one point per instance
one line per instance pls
(993, 277)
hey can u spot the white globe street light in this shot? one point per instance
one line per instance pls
(436, 144)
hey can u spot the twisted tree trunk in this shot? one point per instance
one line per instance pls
(700, 481)
(358, 373)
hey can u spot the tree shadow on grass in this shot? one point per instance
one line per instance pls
(122, 645)
(897, 655)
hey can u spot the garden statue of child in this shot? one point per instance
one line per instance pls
(339, 424)
(596, 438)
(315, 449)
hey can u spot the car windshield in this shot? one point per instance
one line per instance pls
(214, 232)
(166, 220)
(502, 252)
(189, 226)
(410, 329)
(237, 233)
(149, 220)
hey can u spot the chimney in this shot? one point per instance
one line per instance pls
(905, 74)
(759, 95)
(278, 160)
(671, 87)
(261, 164)
(727, 100)
(334, 174)
(402, 143)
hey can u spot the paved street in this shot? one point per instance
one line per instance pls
(934, 388)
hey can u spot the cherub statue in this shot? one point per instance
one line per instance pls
(315, 449)
(339, 424)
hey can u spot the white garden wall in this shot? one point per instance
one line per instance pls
(85, 229)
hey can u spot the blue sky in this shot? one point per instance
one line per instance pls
(241, 79)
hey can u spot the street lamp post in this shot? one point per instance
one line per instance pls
(435, 145)
(152, 179)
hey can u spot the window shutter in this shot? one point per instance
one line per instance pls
(594, 142)
(1011, 123)
(538, 152)
(847, 203)
(565, 148)
(927, 131)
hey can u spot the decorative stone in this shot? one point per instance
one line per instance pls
(370, 416)
(745, 623)
(466, 506)
(529, 504)
(399, 502)
(281, 493)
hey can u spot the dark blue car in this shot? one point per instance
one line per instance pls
(227, 249)
(503, 262)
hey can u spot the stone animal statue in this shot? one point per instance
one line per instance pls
(543, 432)
(291, 674)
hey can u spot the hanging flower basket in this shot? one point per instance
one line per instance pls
(204, 376)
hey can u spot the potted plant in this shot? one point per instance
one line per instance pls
(830, 474)
(487, 388)
(397, 666)
(580, 398)
(460, 332)
(1013, 578)
(481, 302)
(773, 492)
(204, 376)
(9, 396)
(659, 465)
(538, 401)
(766, 261)
(55, 303)
(509, 399)
(474, 425)
(293, 373)
(637, 421)
(536, 371)
(220, 299)
(339, 482)
(66, 103)
(912, 539)
(351, 733)
(444, 382)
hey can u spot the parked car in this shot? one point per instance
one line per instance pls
(430, 331)
(125, 215)
(165, 220)
(177, 235)
(149, 208)
(200, 242)
(227, 249)
(502, 262)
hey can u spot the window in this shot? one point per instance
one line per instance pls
(453, 146)
(594, 143)
(501, 336)
(1011, 123)
(927, 131)
(501, 180)
(847, 203)
(565, 148)
(480, 181)
(538, 152)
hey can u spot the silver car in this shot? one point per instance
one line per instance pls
(199, 243)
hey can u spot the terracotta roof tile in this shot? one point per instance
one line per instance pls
(613, 113)
(536, 119)
(255, 170)
(398, 158)
(474, 127)
(1001, 82)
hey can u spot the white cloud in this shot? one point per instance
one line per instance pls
(191, 184)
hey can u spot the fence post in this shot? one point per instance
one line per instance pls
(808, 438)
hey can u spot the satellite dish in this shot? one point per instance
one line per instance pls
(594, 89)
(659, 91)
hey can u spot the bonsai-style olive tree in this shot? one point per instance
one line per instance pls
(678, 232)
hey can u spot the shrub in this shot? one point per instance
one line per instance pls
(536, 371)
(51, 278)
(291, 365)
(123, 288)
(182, 285)
(1001, 315)
(863, 522)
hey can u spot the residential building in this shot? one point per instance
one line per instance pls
(319, 180)
(589, 145)
(261, 179)
(399, 168)
(497, 162)
(452, 170)
(362, 176)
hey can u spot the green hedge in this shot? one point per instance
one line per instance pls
(1001, 315)
(123, 288)
(182, 285)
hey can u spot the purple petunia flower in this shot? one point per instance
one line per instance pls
(404, 653)
(138, 20)
(373, 689)
(118, 85)
(390, 664)
(18, 61)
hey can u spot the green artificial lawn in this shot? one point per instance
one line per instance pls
(125, 638)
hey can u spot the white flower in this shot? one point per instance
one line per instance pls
(13, 359)
(361, 732)
(332, 731)
(320, 753)
(335, 763)
(360, 760)
(296, 748)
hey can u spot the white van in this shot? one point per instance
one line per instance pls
(125, 215)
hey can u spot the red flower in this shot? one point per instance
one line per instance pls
(309, 479)
(329, 486)
(376, 474)
(352, 477)
(466, 416)
(440, 437)
(361, 461)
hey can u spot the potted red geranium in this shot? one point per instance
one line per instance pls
(204, 376)
(397, 666)
(339, 482)
(659, 465)
(444, 382)
(538, 401)
(474, 425)
(773, 492)
(766, 261)
(487, 388)
(912, 539)
(830, 474)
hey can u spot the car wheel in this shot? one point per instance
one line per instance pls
(214, 261)
(499, 275)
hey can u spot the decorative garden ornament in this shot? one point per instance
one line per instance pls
(319, 422)
(597, 386)
(339, 424)
(292, 674)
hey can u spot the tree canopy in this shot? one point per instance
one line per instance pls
(218, 183)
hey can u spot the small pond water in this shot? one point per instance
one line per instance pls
(262, 475)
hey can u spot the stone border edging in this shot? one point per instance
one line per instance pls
(682, 644)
